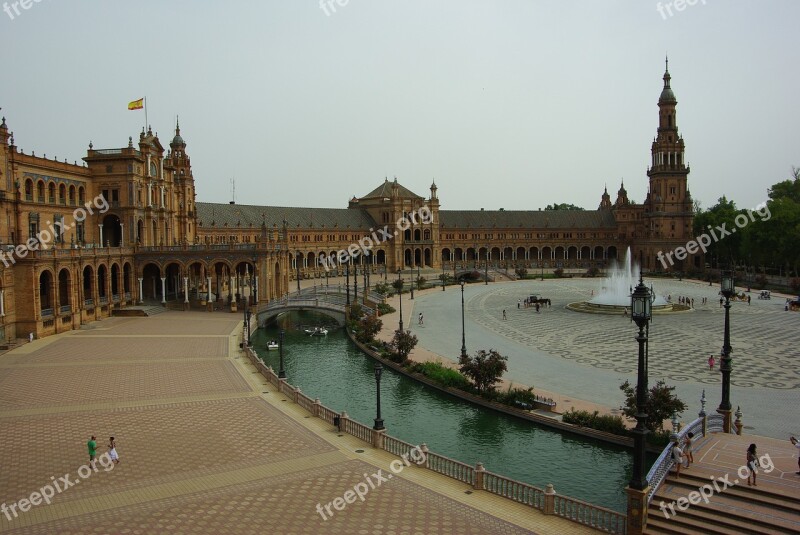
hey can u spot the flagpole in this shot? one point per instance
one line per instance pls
(145, 115)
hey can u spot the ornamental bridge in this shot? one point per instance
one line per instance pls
(331, 301)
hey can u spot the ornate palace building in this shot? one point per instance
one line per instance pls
(123, 228)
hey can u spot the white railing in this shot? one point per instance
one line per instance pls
(590, 515)
(660, 469)
(451, 468)
(513, 490)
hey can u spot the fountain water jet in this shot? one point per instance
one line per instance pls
(615, 295)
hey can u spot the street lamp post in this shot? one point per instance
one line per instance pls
(641, 313)
(347, 282)
(486, 267)
(247, 316)
(728, 288)
(442, 261)
(378, 420)
(281, 371)
(400, 294)
(463, 337)
(297, 261)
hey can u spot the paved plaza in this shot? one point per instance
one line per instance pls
(206, 446)
(587, 356)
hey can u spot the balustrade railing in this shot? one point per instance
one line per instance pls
(589, 515)
(358, 430)
(451, 468)
(572, 509)
(513, 490)
(660, 469)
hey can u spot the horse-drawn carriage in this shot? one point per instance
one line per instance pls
(764, 294)
(534, 299)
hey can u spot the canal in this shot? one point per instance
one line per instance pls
(334, 370)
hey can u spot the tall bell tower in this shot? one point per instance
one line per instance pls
(668, 208)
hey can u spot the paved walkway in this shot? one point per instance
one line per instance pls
(581, 359)
(206, 446)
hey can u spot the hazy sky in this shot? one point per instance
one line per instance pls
(509, 103)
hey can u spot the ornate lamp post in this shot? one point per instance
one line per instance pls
(463, 338)
(400, 294)
(378, 420)
(355, 284)
(297, 261)
(442, 261)
(281, 371)
(641, 313)
(728, 288)
(486, 267)
(347, 282)
(247, 316)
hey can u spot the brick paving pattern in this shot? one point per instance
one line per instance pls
(206, 447)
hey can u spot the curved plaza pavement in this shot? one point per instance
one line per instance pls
(587, 356)
(206, 446)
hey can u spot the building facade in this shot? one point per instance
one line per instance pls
(124, 228)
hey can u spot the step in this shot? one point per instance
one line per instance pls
(759, 495)
(749, 507)
(726, 520)
(656, 523)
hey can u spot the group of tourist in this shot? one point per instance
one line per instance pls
(112, 450)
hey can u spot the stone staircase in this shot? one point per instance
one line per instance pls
(138, 310)
(733, 510)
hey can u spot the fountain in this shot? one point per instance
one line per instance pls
(615, 295)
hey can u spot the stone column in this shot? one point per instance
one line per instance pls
(2, 303)
(141, 296)
(209, 289)
(121, 235)
(163, 290)
(101, 233)
(637, 510)
(186, 290)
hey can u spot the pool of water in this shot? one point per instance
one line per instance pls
(333, 369)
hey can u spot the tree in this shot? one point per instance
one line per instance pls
(660, 404)
(398, 286)
(485, 368)
(562, 206)
(368, 327)
(402, 344)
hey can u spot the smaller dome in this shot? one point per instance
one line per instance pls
(178, 140)
(667, 95)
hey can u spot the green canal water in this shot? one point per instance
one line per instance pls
(333, 369)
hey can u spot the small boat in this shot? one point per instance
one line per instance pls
(317, 331)
(272, 345)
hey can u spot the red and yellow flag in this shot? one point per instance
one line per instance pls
(136, 104)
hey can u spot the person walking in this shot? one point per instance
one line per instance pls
(687, 448)
(92, 446)
(420, 320)
(752, 464)
(677, 457)
(504, 315)
(112, 450)
(796, 444)
(711, 362)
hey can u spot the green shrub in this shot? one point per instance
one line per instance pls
(441, 374)
(594, 420)
(517, 396)
(383, 288)
(385, 308)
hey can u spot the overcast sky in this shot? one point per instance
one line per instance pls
(508, 103)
